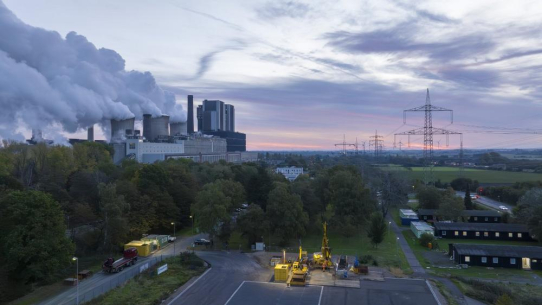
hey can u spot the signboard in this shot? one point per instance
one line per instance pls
(161, 269)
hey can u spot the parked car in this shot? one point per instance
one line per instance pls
(244, 206)
(171, 239)
(202, 242)
(503, 208)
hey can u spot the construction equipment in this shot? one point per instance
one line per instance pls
(300, 269)
(323, 259)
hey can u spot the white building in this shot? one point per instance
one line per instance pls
(149, 152)
(291, 173)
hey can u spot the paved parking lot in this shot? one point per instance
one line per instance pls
(262, 293)
(391, 292)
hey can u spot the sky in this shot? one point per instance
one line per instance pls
(301, 74)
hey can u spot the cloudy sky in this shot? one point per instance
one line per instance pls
(303, 73)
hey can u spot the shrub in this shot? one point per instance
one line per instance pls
(426, 238)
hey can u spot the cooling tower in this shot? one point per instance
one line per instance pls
(155, 127)
(118, 129)
(178, 128)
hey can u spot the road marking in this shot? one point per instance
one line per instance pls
(236, 292)
(432, 292)
(321, 292)
(199, 278)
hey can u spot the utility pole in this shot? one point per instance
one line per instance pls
(428, 131)
(345, 145)
(377, 142)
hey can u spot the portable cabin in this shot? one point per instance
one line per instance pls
(157, 241)
(407, 216)
(517, 257)
(282, 271)
(427, 215)
(485, 231)
(483, 216)
(420, 227)
(143, 247)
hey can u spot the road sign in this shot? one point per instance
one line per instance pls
(161, 269)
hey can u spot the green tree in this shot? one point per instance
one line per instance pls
(469, 205)
(451, 208)
(377, 229)
(429, 197)
(33, 236)
(426, 238)
(113, 209)
(285, 213)
(303, 187)
(252, 223)
(211, 209)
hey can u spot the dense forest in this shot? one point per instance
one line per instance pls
(59, 201)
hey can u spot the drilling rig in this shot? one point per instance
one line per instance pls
(323, 258)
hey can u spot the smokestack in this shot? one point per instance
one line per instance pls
(147, 133)
(90, 134)
(190, 119)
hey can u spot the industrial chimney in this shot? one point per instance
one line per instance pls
(90, 134)
(190, 120)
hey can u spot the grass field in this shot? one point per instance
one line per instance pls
(150, 288)
(447, 174)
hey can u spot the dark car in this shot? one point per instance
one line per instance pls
(202, 242)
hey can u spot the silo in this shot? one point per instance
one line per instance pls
(118, 129)
(179, 128)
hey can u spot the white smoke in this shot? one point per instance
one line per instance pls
(45, 79)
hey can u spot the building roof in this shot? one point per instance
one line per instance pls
(481, 227)
(481, 213)
(477, 213)
(407, 212)
(499, 250)
(421, 226)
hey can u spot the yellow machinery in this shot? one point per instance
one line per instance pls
(323, 258)
(300, 268)
(282, 272)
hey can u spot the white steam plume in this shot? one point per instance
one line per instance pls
(45, 79)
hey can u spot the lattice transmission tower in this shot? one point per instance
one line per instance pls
(377, 142)
(345, 145)
(428, 131)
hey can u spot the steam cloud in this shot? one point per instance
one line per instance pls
(46, 80)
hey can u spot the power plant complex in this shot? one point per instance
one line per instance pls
(161, 139)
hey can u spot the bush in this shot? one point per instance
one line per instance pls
(426, 238)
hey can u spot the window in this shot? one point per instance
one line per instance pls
(484, 259)
(477, 233)
(512, 261)
(486, 234)
(464, 233)
(475, 218)
(443, 233)
(456, 233)
(534, 260)
(467, 259)
(487, 219)
(425, 217)
(132, 145)
(519, 235)
(496, 219)
(497, 234)
(495, 260)
(510, 235)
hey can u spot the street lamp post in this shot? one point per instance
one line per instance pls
(389, 228)
(191, 217)
(77, 277)
(397, 244)
(175, 239)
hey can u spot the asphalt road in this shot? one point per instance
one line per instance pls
(235, 279)
(490, 203)
(99, 279)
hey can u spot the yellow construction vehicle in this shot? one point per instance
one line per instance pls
(300, 268)
(323, 259)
